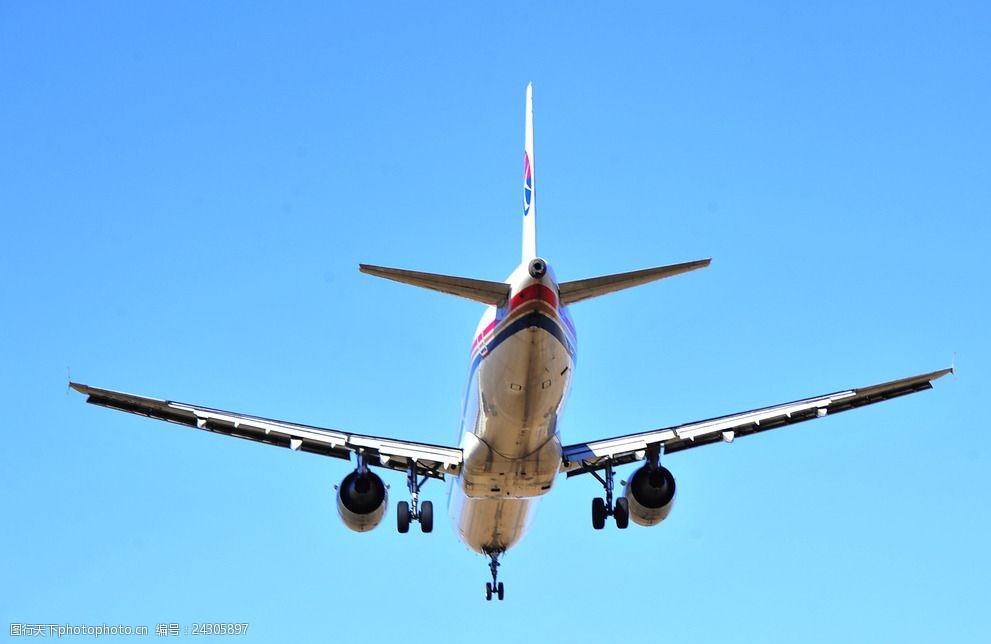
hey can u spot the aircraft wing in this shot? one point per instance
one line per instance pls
(588, 457)
(431, 460)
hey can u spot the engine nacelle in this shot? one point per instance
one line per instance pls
(361, 501)
(650, 494)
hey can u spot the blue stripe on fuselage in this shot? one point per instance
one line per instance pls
(532, 319)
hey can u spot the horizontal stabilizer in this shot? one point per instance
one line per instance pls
(578, 290)
(494, 293)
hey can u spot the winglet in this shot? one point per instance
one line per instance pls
(909, 385)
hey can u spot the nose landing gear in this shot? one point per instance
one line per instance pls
(495, 586)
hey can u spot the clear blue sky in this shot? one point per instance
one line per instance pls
(187, 189)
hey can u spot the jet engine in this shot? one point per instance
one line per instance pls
(361, 500)
(650, 493)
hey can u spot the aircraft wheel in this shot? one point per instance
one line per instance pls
(598, 513)
(402, 517)
(622, 513)
(488, 591)
(427, 516)
(500, 591)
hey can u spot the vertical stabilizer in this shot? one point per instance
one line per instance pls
(529, 196)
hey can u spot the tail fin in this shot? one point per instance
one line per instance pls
(578, 290)
(529, 196)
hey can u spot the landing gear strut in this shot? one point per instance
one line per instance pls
(601, 508)
(413, 511)
(495, 586)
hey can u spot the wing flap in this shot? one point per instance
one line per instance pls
(593, 455)
(432, 460)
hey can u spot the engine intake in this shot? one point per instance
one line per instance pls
(361, 501)
(650, 495)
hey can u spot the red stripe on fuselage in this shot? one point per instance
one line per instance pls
(534, 292)
(487, 330)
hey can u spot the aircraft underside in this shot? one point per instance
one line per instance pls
(512, 451)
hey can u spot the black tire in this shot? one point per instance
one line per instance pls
(598, 513)
(622, 512)
(402, 517)
(488, 591)
(427, 516)
(500, 591)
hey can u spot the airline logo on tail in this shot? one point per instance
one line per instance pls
(527, 184)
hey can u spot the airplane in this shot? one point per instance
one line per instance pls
(511, 453)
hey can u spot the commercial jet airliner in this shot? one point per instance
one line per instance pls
(511, 451)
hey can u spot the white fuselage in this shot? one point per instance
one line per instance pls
(521, 365)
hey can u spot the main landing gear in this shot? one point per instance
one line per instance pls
(413, 511)
(495, 586)
(601, 508)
